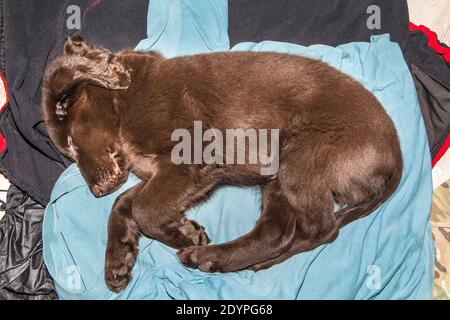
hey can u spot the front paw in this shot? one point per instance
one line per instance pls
(118, 264)
(194, 232)
(201, 257)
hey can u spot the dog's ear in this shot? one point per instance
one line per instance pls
(81, 64)
(95, 65)
(102, 68)
(76, 45)
(84, 64)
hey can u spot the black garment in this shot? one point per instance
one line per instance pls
(434, 99)
(33, 33)
(2, 38)
(22, 271)
(307, 22)
(417, 51)
(432, 78)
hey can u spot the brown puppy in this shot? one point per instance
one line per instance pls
(115, 112)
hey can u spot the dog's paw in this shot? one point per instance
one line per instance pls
(118, 265)
(194, 232)
(200, 257)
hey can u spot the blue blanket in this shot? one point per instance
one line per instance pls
(387, 255)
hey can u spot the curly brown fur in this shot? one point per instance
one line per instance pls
(115, 112)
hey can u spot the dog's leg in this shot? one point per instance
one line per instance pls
(159, 207)
(272, 235)
(122, 247)
(305, 184)
(298, 246)
(297, 216)
(303, 242)
(154, 208)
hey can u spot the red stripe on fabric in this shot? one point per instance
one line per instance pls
(6, 92)
(2, 139)
(441, 151)
(2, 143)
(432, 41)
(93, 5)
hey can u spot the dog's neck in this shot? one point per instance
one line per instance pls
(143, 66)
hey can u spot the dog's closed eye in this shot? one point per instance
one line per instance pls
(64, 100)
(71, 147)
(61, 107)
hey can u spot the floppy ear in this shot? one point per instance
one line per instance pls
(95, 65)
(103, 69)
(82, 64)
(79, 65)
(76, 45)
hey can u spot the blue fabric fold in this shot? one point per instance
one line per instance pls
(387, 255)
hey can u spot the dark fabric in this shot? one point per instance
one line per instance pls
(433, 41)
(34, 33)
(306, 22)
(417, 51)
(434, 99)
(432, 78)
(22, 271)
(2, 38)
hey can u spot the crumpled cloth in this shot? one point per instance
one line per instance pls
(23, 274)
(386, 255)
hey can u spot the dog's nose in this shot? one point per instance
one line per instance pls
(97, 191)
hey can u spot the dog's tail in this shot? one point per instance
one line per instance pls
(351, 213)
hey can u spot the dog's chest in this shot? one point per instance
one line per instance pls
(142, 165)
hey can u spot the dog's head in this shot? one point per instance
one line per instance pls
(80, 113)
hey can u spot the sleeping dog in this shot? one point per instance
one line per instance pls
(111, 113)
